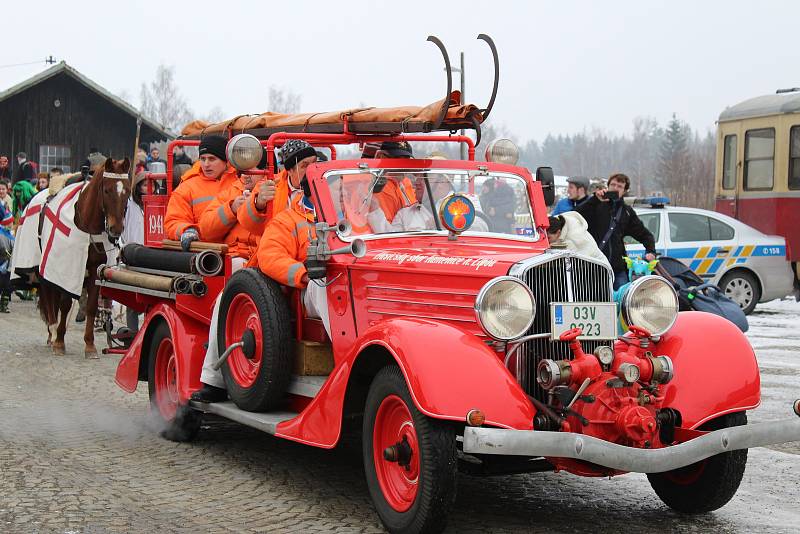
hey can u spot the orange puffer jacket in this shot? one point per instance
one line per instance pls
(395, 196)
(254, 220)
(219, 224)
(284, 245)
(190, 199)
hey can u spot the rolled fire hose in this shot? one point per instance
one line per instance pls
(196, 246)
(198, 288)
(135, 279)
(205, 262)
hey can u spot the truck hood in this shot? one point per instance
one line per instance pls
(466, 256)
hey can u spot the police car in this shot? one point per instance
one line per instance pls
(750, 267)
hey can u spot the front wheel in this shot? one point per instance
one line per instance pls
(742, 288)
(706, 485)
(176, 421)
(409, 458)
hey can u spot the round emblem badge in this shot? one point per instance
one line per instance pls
(457, 213)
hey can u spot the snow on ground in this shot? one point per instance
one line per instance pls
(775, 336)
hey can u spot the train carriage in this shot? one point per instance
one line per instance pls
(757, 179)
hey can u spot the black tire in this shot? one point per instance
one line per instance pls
(270, 314)
(706, 485)
(184, 424)
(437, 465)
(743, 288)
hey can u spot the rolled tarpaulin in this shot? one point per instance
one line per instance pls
(196, 246)
(206, 262)
(119, 275)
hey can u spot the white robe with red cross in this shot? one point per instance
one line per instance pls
(65, 248)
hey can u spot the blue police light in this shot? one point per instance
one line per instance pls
(655, 201)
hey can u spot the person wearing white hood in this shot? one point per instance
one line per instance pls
(572, 229)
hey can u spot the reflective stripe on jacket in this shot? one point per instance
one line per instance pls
(190, 199)
(284, 245)
(254, 220)
(219, 224)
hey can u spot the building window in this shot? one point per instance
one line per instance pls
(759, 158)
(794, 157)
(54, 156)
(729, 163)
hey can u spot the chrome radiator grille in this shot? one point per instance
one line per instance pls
(564, 278)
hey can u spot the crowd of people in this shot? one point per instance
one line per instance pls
(596, 224)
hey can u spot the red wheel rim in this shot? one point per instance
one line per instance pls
(394, 425)
(243, 315)
(686, 475)
(166, 379)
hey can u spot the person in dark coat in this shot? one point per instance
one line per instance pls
(610, 220)
(5, 168)
(179, 157)
(498, 202)
(25, 170)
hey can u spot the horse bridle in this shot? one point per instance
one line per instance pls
(113, 176)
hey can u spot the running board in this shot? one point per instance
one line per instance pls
(265, 422)
(306, 386)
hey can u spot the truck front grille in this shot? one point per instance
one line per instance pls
(564, 278)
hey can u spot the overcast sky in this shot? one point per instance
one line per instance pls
(565, 66)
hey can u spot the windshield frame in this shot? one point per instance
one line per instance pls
(454, 172)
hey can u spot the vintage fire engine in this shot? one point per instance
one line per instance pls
(470, 344)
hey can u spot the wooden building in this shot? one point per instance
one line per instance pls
(56, 116)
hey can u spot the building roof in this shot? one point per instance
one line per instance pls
(761, 106)
(62, 67)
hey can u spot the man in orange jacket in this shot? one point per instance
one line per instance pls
(296, 156)
(398, 193)
(198, 187)
(219, 223)
(255, 215)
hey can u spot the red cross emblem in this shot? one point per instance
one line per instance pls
(55, 219)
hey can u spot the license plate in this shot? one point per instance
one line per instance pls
(597, 320)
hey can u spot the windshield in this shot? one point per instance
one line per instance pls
(387, 201)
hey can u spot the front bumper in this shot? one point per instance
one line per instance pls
(536, 443)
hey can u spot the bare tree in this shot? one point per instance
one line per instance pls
(162, 102)
(283, 100)
(215, 115)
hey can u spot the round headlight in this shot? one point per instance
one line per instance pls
(650, 303)
(505, 308)
(244, 151)
(502, 151)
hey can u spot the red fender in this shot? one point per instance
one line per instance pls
(448, 371)
(188, 336)
(716, 371)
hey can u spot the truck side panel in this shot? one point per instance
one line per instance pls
(448, 372)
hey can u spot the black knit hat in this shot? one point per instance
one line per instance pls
(214, 145)
(295, 150)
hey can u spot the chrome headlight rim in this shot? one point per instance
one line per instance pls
(630, 292)
(482, 296)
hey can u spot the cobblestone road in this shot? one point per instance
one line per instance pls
(77, 455)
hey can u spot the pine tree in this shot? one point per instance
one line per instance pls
(675, 169)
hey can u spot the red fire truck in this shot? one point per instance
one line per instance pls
(470, 344)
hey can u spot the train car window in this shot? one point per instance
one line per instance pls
(688, 227)
(719, 230)
(729, 163)
(794, 157)
(759, 158)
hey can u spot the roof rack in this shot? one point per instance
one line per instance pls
(451, 116)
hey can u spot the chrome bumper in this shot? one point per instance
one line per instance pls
(478, 440)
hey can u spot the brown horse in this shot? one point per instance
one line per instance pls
(100, 209)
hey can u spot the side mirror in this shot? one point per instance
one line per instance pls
(548, 181)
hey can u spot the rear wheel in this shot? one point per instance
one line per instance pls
(252, 302)
(706, 485)
(409, 458)
(176, 421)
(742, 288)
